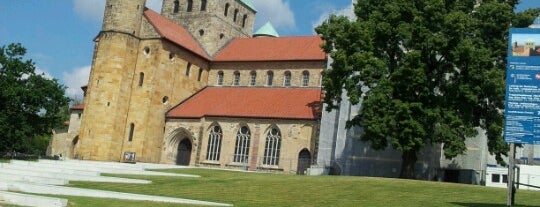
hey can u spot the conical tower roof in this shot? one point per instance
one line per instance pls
(266, 30)
(249, 4)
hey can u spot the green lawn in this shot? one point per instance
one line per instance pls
(253, 189)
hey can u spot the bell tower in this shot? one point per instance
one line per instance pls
(212, 22)
(109, 87)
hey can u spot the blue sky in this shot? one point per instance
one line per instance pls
(58, 34)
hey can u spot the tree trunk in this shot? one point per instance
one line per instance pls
(408, 161)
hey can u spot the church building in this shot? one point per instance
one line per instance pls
(193, 85)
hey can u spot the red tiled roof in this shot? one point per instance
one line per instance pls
(174, 33)
(273, 49)
(78, 107)
(285, 103)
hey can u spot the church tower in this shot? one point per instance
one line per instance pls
(109, 86)
(212, 22)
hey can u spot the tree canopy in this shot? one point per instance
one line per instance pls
(434, 68)
(30, 104)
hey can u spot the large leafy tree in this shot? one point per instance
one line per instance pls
(434, 70)
(30, 104)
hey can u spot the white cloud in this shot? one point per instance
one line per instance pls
(74, 79)
(347, 11)
(43, 72)
(278, 12)
(93, 9)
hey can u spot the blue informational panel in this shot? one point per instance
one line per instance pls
(522, 110)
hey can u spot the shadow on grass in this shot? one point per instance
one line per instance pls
(489, 205)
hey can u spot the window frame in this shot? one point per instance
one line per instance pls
(272, 147)
(236, 78)
(215, 138)
(287, 79)
(242, 145)
(220, 78)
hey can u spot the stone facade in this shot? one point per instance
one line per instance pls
(296, 135)
(137, 76)
(210, 26)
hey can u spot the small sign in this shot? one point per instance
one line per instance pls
(522, 103)
(129, 156)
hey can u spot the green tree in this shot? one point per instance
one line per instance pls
(434, 70)
(30, 104)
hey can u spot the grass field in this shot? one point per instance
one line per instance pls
(254, 189)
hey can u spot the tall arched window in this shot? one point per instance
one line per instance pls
(236, 78)
(287, 79)
(252, 78)
(235, 15)
(188, 68)
(305, 78)
(131, 130)
(244, 20)
(214, 144)
(226, 12)
(272, 147)
(189, 5)
(241, 147)
(176, 7)
(220, 78)
(141, 79)
(269, 78)
(203, 5)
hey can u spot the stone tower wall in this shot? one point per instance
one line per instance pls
(123, 16)
(211, 27)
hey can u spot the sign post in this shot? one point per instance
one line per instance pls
(522, 102)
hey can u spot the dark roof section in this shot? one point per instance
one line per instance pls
(247, 102)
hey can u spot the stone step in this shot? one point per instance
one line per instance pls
(69, 191)
(90, 168)
(32, 179)
(91, 164)
(31, 200)
(51, 169)
(72, 177)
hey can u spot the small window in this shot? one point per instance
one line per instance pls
(269, 78)
(287, 79)
(165, 99)
(171, 56)
(305, 78)
(141, 79)
(220, 78)
(200, 74)
(252, 78)
(188, 68)
(236, 78)
(221, 36)
(189, 5)
(146, 51)
(201, 32)
(244, 21)
(495, 178)
(131, 130)
(203, 5)
(176, 7)
(505, 178)
(226, 12)
(235, 15)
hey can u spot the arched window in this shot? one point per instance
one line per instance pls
(220, 78)
(189, 5)
(131, 130)
(141, 79)
(176, 7)
(244, 20)
(200, 74)
(272, 147)
(235, 15)
(287, 79)
(269, 78)
(226, 12)
(305, 78)
(203, 5)
(252, 78)
(188, 68)
(241, 149)
(214, 143)
(236, 78)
